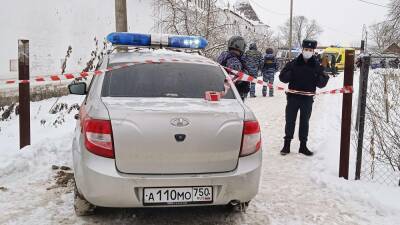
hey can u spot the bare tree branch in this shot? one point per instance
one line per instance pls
(302, 29)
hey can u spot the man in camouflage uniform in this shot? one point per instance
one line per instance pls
(233, 59)
(270, 66)
(253, 60)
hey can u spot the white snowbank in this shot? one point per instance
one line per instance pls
(294, 189)
(50, 141)
(326, 142)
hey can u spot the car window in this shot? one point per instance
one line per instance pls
(173, 80)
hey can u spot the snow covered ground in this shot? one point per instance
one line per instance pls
(295, 189)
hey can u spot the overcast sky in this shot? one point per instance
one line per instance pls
(342, 20)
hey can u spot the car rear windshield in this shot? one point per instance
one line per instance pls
(172, 80)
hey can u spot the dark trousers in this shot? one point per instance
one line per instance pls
(294, 104)
(243, 88)
(253, 88)
(269, 78)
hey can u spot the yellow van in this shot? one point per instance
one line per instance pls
(339, 54)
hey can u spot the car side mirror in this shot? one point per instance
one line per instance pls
(77, 88)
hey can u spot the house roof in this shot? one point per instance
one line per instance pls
(393, 48)
(243, 9)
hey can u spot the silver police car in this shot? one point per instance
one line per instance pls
(148, 136)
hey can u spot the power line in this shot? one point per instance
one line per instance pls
(338, 31)
(324, 26)
(373, 3)
(269, 10)
(285, 14)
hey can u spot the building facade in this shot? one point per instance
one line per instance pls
(79, 23)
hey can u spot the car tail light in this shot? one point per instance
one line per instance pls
(98, 137)
(251, 141)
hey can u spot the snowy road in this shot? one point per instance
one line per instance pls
(294, 189)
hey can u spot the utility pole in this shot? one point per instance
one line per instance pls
(291, 30)
(121, 18)
(365, 38)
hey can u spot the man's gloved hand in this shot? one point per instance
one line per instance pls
(321, 72)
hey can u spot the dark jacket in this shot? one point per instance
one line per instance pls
(230, 60)
(318, 58)
(333, 61)
(303, 76)
(270, 64)
(253, 60)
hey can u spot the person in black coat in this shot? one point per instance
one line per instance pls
(304, 75)
(333, 65)
(318, 57)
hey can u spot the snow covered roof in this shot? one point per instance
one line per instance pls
(393, 48)
(243, 9)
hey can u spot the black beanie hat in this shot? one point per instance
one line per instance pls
(309, 44)
(269, 51)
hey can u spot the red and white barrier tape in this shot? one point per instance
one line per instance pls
(70, 76)
(56, 77)
(240, 76)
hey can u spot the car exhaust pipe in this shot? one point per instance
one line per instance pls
(238, 206)
(234, 203)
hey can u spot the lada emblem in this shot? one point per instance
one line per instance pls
(179, 122)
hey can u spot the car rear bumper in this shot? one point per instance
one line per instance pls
(102, 185)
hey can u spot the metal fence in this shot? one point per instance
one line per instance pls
(377, 131)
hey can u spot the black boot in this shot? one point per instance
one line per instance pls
(304, 150)
(286, 148)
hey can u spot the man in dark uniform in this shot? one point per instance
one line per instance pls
(304, 74)
(233, 59)
(270, 66)
(318, 57)
(253, 60)
(333, 65)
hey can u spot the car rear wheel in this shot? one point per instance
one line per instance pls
(81, 205)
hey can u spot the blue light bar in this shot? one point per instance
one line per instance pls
(195, 42)
(122, 38)
(174, 41)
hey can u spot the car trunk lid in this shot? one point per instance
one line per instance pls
(175, 136)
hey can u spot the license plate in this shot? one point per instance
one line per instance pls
(177, 195)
